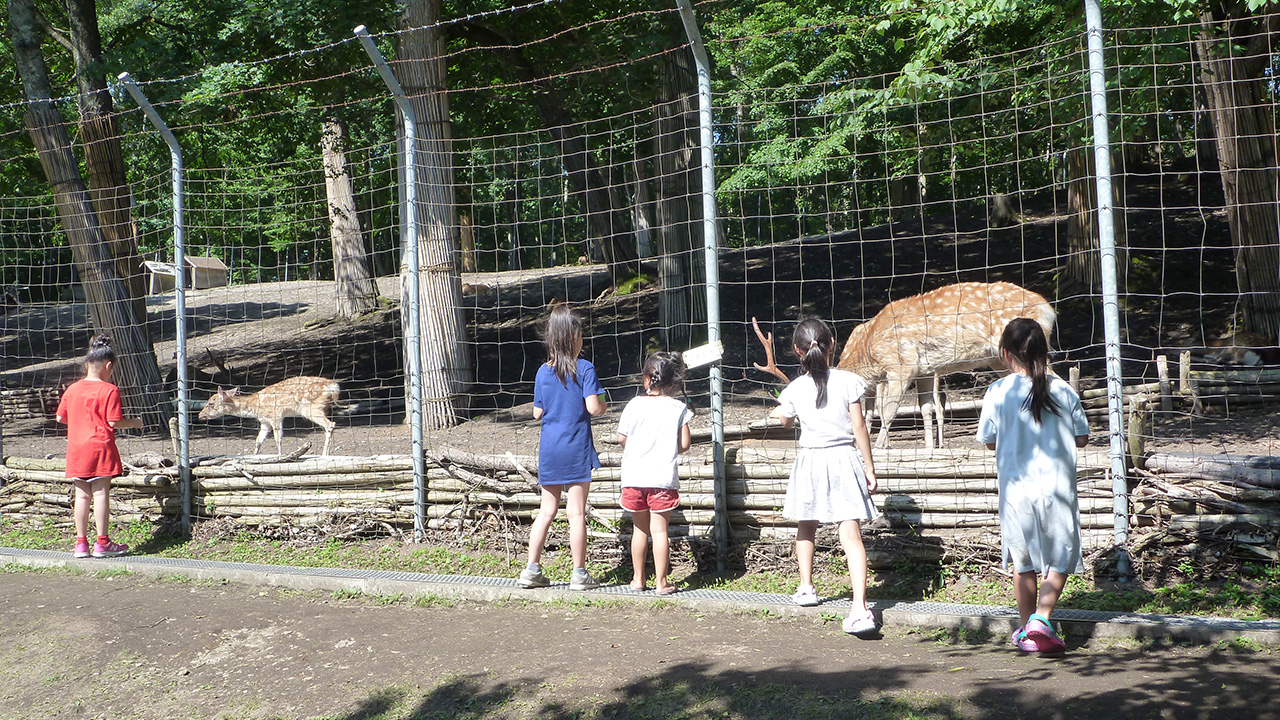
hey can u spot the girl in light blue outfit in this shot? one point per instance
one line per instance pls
(1035, 423)
(566, 394)
(830, 482)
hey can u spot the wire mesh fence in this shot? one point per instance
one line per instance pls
(849, 176)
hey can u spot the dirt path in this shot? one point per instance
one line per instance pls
(124, 646)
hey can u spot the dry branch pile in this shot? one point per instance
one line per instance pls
(1208, 507)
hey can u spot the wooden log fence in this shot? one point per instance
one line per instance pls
(943, 493)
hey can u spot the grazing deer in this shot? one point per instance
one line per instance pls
(955, 328)
(308, 397)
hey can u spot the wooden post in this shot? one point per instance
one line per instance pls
(1137, 430)
(1073, 378)
(1162, 369)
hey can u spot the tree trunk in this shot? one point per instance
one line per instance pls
(110, 304)
(357, 293)
(681, 299)
(467, 235)
(1234, 52)
(641, 202)
(1083, 258)
(446, 367)
(104, 158)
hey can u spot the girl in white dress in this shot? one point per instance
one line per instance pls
(830, 482)
(1035, 423)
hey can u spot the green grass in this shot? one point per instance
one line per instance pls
(1252, 593)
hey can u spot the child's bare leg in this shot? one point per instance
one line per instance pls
(806, 531)
(541, 524)
(102, 505)
(1050, 591)
(83, 498)
(640, 547)
(661, 550)
(856, 554)
(576, 507)
(1024, 593)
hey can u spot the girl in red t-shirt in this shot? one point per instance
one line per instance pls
(91, 410)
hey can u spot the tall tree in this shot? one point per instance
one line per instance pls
(446, 366)
(104, 159)
(1235, 51)
(107, 292)
(681, 301)
(357, 293)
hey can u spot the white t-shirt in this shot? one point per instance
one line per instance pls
(1026, 450)
(829, 425)
(652, 425)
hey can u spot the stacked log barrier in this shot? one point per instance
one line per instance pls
(929, 497)
(1209, 506)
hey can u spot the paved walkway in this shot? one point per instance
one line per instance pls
(1081, 624)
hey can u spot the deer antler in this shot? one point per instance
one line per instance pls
(766, 339)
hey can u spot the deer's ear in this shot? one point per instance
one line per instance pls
(220, 392)
(233, 391)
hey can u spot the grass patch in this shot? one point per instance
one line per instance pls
(1252, 593)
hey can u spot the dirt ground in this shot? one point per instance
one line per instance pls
(125, 646)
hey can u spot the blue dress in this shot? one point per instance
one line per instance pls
(566, 449)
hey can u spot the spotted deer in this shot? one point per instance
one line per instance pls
(955, 328)
(308, 397)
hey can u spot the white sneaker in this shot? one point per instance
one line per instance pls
(806, 596)
(583, 581)
(859, 623)
(533, 579)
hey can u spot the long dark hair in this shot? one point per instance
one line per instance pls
(665, 372)
(1026, 342)
(100, 351)
(813, 340)
(563, 330)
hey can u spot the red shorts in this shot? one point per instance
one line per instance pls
(637, 499)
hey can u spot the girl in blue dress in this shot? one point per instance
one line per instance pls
(566, 394)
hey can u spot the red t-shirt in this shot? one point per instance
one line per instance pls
(88, 407)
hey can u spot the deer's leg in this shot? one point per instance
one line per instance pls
(263, 427)
(931, 407)
(894, 389)
(926, 388)
(318, 417)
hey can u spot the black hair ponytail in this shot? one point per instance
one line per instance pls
(1026, 342)
(100, 351)
(813, 340)
(665, 372)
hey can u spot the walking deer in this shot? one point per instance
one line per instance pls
(955, 328)
(308, 397)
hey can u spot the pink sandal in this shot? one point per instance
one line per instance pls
(1041, 633)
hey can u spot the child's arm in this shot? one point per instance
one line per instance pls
(126, 423)
(686, 438)
(1081, 441)
(537, 413)
(787, 420)
(596, 405)
(863, 440)
(622, 440)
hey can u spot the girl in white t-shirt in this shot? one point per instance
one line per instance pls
(653, 430)
(830, 483)
(1035, 423)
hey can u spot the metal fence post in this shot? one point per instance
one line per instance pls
(410, 247)
(1110, 287)
(179, 296)
(710, 242)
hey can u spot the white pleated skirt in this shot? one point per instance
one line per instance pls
(828, 485)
